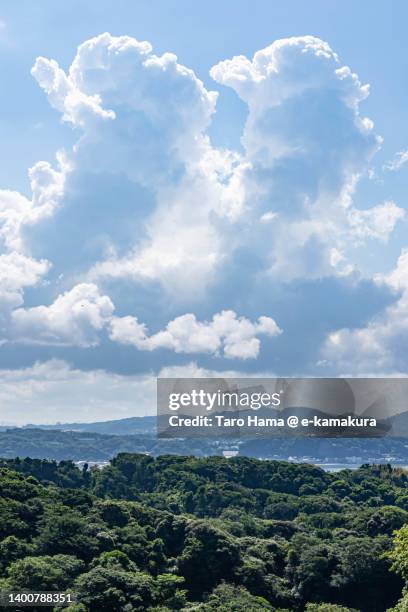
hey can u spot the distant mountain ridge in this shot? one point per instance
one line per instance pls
(120, 427)
(395, 426)
(99, 441)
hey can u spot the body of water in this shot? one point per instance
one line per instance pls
(337, 467)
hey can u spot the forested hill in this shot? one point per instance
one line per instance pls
(92, 446)
(181, 533)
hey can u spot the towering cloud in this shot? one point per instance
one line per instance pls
(306, 145)
(145, 218)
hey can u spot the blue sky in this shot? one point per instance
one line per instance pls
(202, 214)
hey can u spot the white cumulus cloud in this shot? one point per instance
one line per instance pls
(145, 117)
(78, 316)
(235, 336)
(306, 146)
(73, 319)
(18, 214)
(376, 222)
(380, 346)
(145, 209)
(17, 272)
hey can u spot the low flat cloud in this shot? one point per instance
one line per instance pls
(55, 391)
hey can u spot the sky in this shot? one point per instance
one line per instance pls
(198, 189)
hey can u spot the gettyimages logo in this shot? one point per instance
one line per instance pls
(276, 407)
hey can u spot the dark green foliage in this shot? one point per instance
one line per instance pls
(113, 588)
(64, 531)
(183, 533)
(362, 576)
(46, 573)
(327, 608)
(208, 556)
(228, 598)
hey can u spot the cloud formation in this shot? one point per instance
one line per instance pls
(77, 318)
(131, 105)
(380, 346)
(55, 391)
(17, 272)
(306, 146)
(18, 213)
(145, 210)
(237, 337)
(73, 319)
(287, 199)
(400, 159)
(377, 222)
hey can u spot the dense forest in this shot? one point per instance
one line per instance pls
(185, 533)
